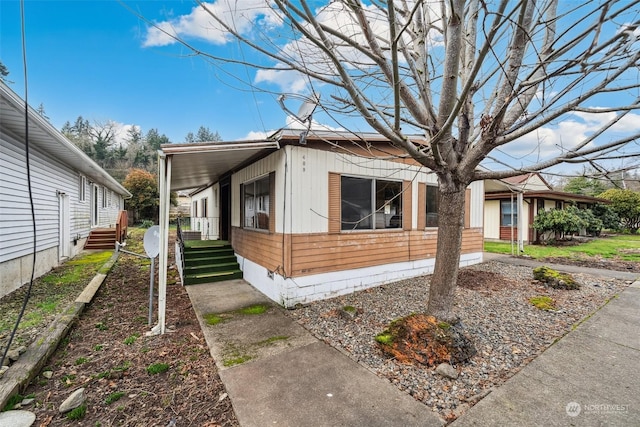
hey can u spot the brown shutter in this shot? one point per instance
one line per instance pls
(272, 202)
(422, 206)
(407, 205)
(467, 208)
(335, 198)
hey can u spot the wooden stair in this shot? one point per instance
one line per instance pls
(207, 261)
(101, 238)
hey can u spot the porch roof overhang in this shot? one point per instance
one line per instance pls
(201, 164)
(549, 195)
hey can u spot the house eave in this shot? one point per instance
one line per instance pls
(47, 138)
(549, 195)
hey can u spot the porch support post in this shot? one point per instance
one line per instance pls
(521, 223)
(164, 178)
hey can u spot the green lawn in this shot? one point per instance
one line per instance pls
(625, 247)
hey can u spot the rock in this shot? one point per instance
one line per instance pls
(26, 402)
(222, 397)
(21, 349)
(447, 370)
(47, 374)
(13, 355)
(17, 418)
(75, 400)
(3, 369)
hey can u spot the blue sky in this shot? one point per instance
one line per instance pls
(87, 58)
(98, 59)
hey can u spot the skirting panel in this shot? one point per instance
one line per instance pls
(289, 291)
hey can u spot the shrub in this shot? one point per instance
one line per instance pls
(561, 222)
(147, 223)
(626, 204)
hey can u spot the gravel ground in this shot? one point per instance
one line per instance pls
(492, 301)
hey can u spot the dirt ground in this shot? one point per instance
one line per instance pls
(109, 355)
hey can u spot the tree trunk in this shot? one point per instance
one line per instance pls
(445, 273)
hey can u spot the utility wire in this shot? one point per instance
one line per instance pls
(27, 160)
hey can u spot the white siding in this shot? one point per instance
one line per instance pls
(309, 177)
(307, 185)
(47, 178)
(477, 204)
(492, 219)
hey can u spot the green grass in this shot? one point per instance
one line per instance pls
(131, 339)
(626, 247)
(77, 413)
(114, 397)
(157, 368)
(81, 361)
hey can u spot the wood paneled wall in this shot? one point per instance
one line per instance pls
(306, 254)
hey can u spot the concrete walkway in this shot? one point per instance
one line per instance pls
(591, 377)
(276, 373)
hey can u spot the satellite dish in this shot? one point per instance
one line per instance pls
(305, 111)
(151, 241)
(307, 108)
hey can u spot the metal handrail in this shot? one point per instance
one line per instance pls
(180, 241)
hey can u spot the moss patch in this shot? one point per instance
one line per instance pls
(212, 319)
(254, 309)
(543, 302)
(271, 340)
(554, 278)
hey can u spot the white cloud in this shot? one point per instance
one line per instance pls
(253, 135)
(120, 132)
(200, 24)
(553, 141)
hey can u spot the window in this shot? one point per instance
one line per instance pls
(506, 210)
(82, 188)
(370, 203)
(205, 207)
(256, 204)
(194, 209)
(104, 197)
(433, 199)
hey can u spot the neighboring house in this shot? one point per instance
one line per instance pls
(511, 205)
(205, 212)
(183, 208)
(71, 194)
(315, 217)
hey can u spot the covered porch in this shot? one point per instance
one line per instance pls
(193, 166)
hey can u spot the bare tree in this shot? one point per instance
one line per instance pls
(479, 79)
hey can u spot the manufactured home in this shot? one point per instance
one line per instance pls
(71, 195)
(512, 204)
(319, 215)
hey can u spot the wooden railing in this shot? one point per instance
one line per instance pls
(121, 226)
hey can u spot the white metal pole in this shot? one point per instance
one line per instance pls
(520, 219)
(165, 190)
